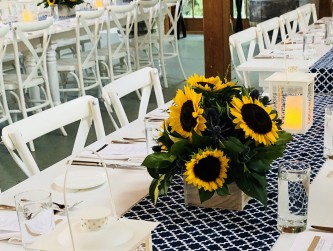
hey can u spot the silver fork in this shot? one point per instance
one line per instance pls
(61, 207)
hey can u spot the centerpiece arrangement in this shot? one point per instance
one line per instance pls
(65, 7)
(217, 134)
(67, 3)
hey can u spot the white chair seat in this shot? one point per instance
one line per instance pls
(71, 64)
(12, 84)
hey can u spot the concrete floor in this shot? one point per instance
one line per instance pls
(54, 146)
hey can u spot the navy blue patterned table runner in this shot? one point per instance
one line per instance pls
(254, 228)
(324, 68)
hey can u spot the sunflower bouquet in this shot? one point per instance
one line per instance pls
(68, 3)
(217, 133)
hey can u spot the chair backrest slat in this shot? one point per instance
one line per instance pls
(84, 109)
(144, 79)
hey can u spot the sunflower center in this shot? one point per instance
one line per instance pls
(205, 83)
(207, 169)
(186, 119)
(256, 118)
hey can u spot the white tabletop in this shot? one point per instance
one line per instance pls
(320, 205)
(128, 186)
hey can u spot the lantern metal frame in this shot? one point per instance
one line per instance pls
(293, 83)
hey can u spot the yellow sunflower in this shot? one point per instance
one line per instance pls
(51, 2)
(207, 84)
(254, 119)
(207, 169)
(186, 114)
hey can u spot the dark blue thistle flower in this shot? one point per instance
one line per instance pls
(254, 94)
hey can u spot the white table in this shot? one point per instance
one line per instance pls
(128, 186)
(268, 65)
(320, 205)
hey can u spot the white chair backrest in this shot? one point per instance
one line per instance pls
(144, 79)
(243, 46)
(148, 11)
(290, 23)
(4, 112)
(89, 25)
(268, 32)
(21, 32)
(307, 14)
(6, 9)
(84, 109)
(173, 16)
(123, 16)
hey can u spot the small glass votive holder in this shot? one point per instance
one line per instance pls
(328, 132)
(293, 196)
(153, 129)
(308, 45)
(35, 215)
(55, 12)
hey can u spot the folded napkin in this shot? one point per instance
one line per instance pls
(9, 227)
(135, 150)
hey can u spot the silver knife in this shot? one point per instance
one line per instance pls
(323, 228)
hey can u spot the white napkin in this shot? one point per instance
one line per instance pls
(124, 152)
(9, 227)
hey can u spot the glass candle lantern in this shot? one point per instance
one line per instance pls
(292, 95)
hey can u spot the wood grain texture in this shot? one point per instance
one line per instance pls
(216, 26)
(237, 200)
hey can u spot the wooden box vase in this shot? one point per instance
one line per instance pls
(237, 199)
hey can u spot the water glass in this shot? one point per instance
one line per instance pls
(154, 129)
(329, 32)
(328, 132)
(55, 12)
(35, 215)
(293, 196)
(308, 46)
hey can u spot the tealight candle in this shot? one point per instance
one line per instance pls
(293, 113)
(99, 3)
(27, 15)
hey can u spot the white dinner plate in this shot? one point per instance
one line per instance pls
(115, 234)
(83, 179)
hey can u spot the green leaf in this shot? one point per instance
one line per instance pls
(200, 141)
(154, 190)
(284, 138)
(222, 191)
(159, 163)
(205, 195)
(260, 166)
(165, 183)
(178, 147)
(254, 185)
(233, 147)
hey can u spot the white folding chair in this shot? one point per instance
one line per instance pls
(147, 11)
(88, 24)
(290, 23)
(30, 91)
(169, 37)
(307, 15)
(144, 79)
(84, 109)
(116, 57)
(4, 111)
(243, 46)
(268, 32)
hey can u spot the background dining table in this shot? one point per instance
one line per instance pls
(281, 56)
